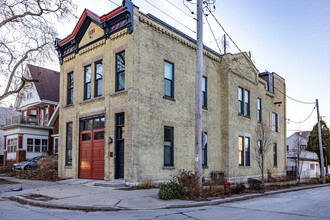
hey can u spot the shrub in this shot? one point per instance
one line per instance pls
(145, 184)
(171, 190)
(218, 177)
(238, 188)
(255, 184)
(189, 184)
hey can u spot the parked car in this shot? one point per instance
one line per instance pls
(28, 165)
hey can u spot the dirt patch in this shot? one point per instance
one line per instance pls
(38, 197)
(5, 181)
(41, 174)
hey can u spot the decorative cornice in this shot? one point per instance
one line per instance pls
(92, 47)
(170, 33)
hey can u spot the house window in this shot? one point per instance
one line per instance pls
(260, 150)
(246, 102)
(240, 101)
(168, 79)
(274, 122)
(204, 149)
(68, 150)
(259, 109)
(37, 145)
(56, 145)
(29, 145)
(46, 114)
(275, 154)
(287, 148)
(69, 98)
(98, 79)
(204, 92)
(25, 117)
(244, 151)
(12, 145)
(120, 71)
(87, 82)
(243, 102)
(41, 117)
(168, 146)
(44, 146)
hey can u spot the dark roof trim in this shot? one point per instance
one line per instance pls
(181, 33)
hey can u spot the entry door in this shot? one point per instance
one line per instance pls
(119, 146)
(91, 163)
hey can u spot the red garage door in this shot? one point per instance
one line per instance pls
(91, 155)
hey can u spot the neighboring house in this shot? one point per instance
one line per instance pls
(5, 113)
(28, 135)
(299, 160)
(127, 103)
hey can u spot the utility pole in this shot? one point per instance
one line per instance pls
(320, 141)
(224, 44)
(198, 97)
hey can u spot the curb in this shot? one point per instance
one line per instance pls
(20, 200)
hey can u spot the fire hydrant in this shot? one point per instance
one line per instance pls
(226, 186)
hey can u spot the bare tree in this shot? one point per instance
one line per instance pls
(298, 152)
(27, 34)
(263, 144)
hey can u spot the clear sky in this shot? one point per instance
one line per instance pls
(289, 37)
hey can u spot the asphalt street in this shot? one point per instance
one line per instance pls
(305, 204)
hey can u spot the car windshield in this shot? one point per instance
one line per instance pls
(34, 159)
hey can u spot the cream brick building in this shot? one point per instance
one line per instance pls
(127, 97)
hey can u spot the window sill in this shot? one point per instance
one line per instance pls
(245, 116)
(205, 167)
(205, 108)
(92, 100)
(68, 167)
(168, 167)
(68, 106)
(169, 98)
(125, 91)
(244, 167)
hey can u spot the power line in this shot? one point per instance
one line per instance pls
(303, 120)
(114, 3)
(180, 9)
(223, 29)
(212, 33)
(309, 103)
(170, 16)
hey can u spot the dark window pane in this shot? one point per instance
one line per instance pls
(68, 153)
(99, 135)
(99, 87)
(167, 88)
(168, 70)
(87, 74)
(167, 155)
(37, 145)
(168, 146)
(121, 81)
(86, 137)
(99, 71)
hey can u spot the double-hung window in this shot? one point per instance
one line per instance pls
(243, 102)
(244, 151)
(87, 82)
(168, 146)
(68, 150)
(275, 154)
(29, 145)
(259, 109)
(168, 79)
(69, 98)
(120, 71)
(274, 124)
(204, 149)
(204, 92)
(98, 79)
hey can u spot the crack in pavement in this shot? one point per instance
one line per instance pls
(276, 212)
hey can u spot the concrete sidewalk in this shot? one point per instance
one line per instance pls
(95, 195)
